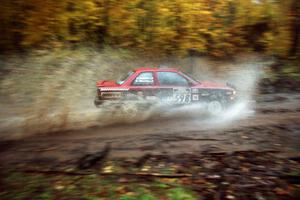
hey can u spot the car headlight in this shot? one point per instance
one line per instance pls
(231, 92)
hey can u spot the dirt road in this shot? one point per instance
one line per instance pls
(272, 125)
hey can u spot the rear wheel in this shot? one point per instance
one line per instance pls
(130, 110)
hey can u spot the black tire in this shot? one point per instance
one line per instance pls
(215, 107)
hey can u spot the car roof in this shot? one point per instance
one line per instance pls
(141, 69)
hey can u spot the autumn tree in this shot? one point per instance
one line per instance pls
(212, 27)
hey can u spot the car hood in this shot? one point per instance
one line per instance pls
(107, 84)
(208, 84)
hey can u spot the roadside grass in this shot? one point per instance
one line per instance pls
(19, 186)
(192, 177)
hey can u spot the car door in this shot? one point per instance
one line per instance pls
(173, 87)
(143, 85)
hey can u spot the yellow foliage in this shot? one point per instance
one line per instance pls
(212, 27)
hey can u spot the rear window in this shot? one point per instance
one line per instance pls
(144, 78)
(171, 79)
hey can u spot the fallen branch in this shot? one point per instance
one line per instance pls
(58, 172)
(256, 151)
(91, 160)
(296, 158)
(293, 179)
(141, 161)
(181, 138)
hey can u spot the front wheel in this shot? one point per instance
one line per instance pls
(215, 107)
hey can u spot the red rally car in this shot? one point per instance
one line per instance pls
(165, 85)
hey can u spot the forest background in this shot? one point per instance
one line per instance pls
(218, 28)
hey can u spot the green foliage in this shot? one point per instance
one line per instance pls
(138, 197)
(180, 194)
(19, 186)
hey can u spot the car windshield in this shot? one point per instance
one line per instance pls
(124, 78)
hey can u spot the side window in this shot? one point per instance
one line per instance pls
(144, 78)
(171, 78)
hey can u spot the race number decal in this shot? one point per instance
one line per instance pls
(182, 95)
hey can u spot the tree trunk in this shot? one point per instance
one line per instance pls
(295, 27)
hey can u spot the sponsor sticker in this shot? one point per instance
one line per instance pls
(182, 95)
(195, 97)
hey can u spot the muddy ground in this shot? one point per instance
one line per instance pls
(253, 153)
(273, 124)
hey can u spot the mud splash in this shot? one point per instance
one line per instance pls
(55, 92)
